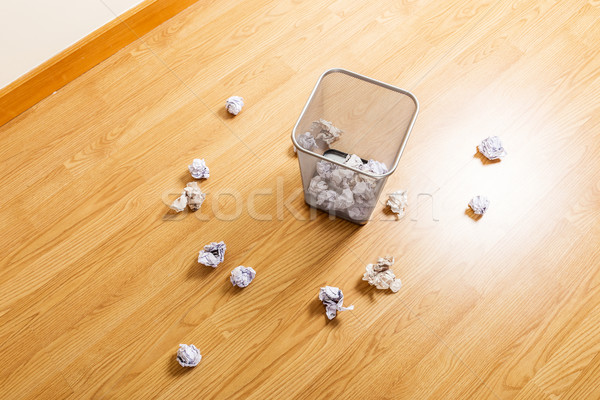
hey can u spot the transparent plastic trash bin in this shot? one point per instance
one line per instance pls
(376, 119)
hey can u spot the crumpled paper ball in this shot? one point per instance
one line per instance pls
(198, 169)
(188, 355)
(213, 254)
(363, 193)
(398, 202)
(325, 169)
(327, 199)
(242, 276)
(342, 178)
(306, 141)
(191, 196)
(479, 204)
(325, 131)
(354, 161)
(180, 203)
(341, 189)
(344, 200)
(376, 167)
(491, 148)
(194, 195)
(234, 105)
(333, 300)
(381, 276)
(317, 185)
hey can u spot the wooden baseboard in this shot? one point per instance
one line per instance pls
(61, 69)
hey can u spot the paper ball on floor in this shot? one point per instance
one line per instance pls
(479, 204)
(198, 169)
(333, 300)
(234, 105)
(188, 355)
(213, 254)
(492, 148)
(242, 276)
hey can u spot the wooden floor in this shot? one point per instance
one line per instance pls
(99, 282)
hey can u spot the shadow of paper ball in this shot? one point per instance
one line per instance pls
(225, 115)
(469, 212)
(484, 160)
(175, 369)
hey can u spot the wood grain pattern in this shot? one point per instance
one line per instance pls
(100, 281)
(88, 52)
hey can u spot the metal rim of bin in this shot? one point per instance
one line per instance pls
(370, 80)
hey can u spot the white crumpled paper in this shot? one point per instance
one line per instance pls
(325, 131)
(194, 195)
(306, 141)
(479, 204)
(344, 200)
(325, 169)
(180, 203)
(491, 148)
(398, 202)
(381, 276)
(327, 199)
(191, 196)
(341, 189)
(242, 276)
(354, 161)
(333, 300)
(188, 355)
(198, 169)
(234, 104)
(213, 254)
(317, 185)
(363, 192)
(376, 167)
(342, 178)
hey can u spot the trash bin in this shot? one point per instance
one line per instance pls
(344, 173)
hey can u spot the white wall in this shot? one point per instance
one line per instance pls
(32, 31)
